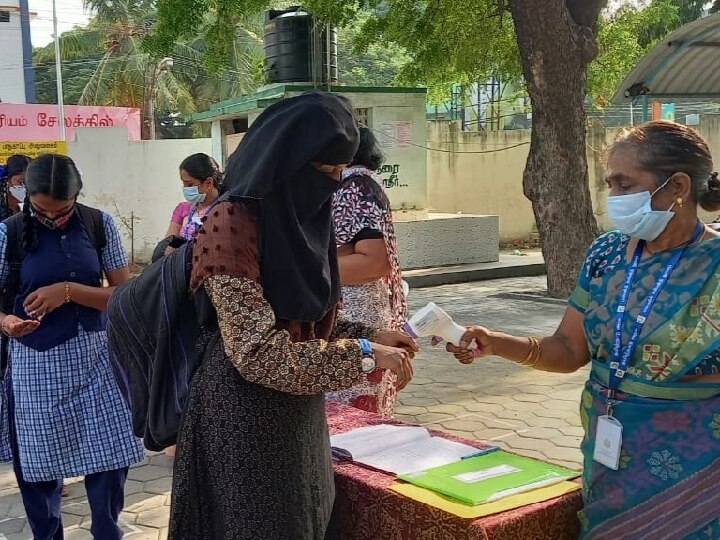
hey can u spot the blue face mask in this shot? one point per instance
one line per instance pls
(192, 194)
(634, 216)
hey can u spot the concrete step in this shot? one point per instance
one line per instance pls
(529, 264)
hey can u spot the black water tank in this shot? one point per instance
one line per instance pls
(296, 53)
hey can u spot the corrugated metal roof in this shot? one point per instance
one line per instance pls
(686, 64)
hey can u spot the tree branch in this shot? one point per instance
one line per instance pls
(586, 12)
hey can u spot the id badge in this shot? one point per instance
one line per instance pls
(608, 442)
(197, 220)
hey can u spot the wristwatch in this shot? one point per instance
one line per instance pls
(368, 356)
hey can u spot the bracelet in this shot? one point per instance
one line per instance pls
(67, 292)
(534, 354)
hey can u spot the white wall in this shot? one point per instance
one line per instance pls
(409, 160)
(133, 178)
(12, 80)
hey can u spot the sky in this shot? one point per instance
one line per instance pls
(70, 13)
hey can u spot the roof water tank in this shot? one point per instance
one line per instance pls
(297, 51)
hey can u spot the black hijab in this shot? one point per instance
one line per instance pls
(298, 258)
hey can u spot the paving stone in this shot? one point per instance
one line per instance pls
(159, 486)
(155, 518)
(568, 441)
(565, 454)
(161, 460)
(539, 445)
(427, 418)
(493, 434)
(147, 473)
(419, 401)
(70, 520)
(411, 411)
(13, 525)
(548, 434)
(449, 409)
(529, 398)
(77, 508)
(78, 534)
(482, 407)
(143, 501)
(464, 427)
(16, 510)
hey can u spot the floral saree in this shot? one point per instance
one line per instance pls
(668, 482)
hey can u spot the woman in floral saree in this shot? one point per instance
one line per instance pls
(646, 315)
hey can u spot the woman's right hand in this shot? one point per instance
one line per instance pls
(396, 360)
(16, 327)
(484, 340)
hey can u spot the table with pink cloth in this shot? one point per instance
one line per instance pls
(365, 509)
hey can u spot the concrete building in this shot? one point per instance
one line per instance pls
(17, 84)
(396, 115)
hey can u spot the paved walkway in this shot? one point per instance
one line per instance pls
(529, 412)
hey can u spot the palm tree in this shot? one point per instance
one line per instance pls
(126, 75)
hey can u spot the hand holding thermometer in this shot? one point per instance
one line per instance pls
(432, 321)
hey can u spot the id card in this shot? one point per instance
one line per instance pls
(608, 442)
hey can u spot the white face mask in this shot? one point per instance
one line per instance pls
(19, 192)
(634, 216)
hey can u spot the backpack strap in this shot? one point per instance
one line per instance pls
(14, 254)
(92, 219)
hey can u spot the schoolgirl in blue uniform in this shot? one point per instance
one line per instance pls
(66, 415)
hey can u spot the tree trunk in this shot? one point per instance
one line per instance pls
(556, 43)
(148, 96)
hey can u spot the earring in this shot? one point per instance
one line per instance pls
(680, 202)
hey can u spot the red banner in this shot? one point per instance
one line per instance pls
(40, 122)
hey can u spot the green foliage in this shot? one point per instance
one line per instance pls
(448, 41)
(626, 34)
(106, 63)
(363, 64)
(623, 40)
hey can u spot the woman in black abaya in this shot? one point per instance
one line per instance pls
(253, 458)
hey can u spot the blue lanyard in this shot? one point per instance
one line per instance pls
(621, 356)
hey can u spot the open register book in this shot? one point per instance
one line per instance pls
(397, 449)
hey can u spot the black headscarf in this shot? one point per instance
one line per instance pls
(271, 165)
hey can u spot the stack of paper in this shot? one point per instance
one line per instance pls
(397, 449)
(490, 477)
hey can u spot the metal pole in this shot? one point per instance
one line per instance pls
(152, 112)
(58, 74)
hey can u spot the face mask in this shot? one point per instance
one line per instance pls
(192, 194)
(634, 216)
(18, 192)
(56, 223)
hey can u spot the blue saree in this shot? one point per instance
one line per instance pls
(668, 482)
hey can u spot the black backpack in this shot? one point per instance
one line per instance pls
(92, 220)
(154, 329)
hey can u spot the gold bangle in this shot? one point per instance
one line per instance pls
(67, 292)
(534, 354)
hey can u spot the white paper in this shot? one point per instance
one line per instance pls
(365, 441)
(418, 456)
(485, 474)
(399, 449)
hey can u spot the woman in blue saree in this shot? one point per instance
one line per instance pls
(646, 315)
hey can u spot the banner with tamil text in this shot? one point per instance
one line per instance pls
(31, 149)
(31, 122)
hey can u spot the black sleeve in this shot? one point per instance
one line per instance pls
(367, 234)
